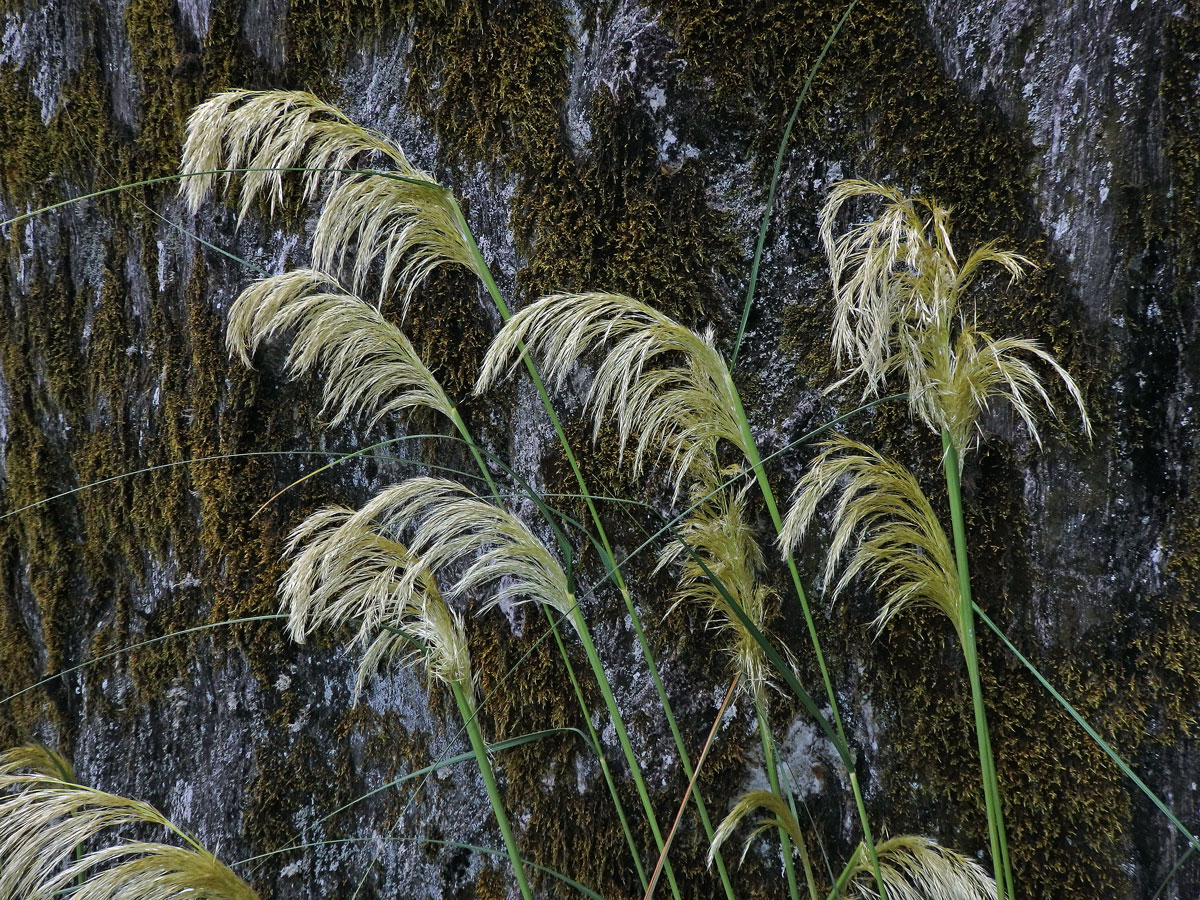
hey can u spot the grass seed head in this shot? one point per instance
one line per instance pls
(368, 366)
(46, 824)
(898, 295)
(679, 409)
(886, 523)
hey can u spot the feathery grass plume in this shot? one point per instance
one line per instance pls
(272, 131)
(453, 524)
(36, 758)
(780, 817)
(369, 366)
(347, 567)
(401, 217)
(718, 535)
(43, 820)
(347, 570)
(915, 868)
(410, 228)
(882, 511)
(898, 294)
(684, 407)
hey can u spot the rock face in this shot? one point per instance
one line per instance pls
(628, 148)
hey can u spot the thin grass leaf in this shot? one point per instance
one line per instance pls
(43, 820)
(898, 296)
(346, 569)
(368, 367)
(915, 868)
(884, 516)
(659, 379)
(719, 533)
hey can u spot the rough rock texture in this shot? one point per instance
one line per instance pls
(627, 147)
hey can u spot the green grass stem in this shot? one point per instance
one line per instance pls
(760, 474)
(966, 628)
(1091, 732)
(493, 792)
(589, 648)
(785, 843)
(618, 578)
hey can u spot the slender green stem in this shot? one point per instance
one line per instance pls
(489, 780)
(842, 880)
(589, 647)
(599, 751)
(760, 474)
(505, 314)
(766, 216)
(966, 630)
(587, 717)
(785, 843)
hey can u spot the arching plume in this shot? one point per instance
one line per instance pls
(53, 833)
(346, 569)
(887, 520)
(368, 367)
(401, 218)
(680, 409)
(454, 525)
(898, 293)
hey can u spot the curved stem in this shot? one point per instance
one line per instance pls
(599, 751)
(966, 632)
(752, 455)
(489, 780)
(589, 647)
(505, 314)
(461, 426)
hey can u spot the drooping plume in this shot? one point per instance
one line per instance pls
(898, 309)
(54, 834)
(346, 568)
(659, 379)
(884, 519)
(398, 217)
(368, 366)
(452, 525)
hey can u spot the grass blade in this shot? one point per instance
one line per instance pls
(766, 216)
(1091, 732)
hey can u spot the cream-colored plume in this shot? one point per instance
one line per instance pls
(272, 131)
(883, 513)
(780, 816)
(916, 868)
(401, 218)
(912, 868)
(680, 410)
(454, 525)
(408, 228)
(898, 295)
(717, 539)
(368, 366)
(51, 836)
(346, 569)
(36, 758)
